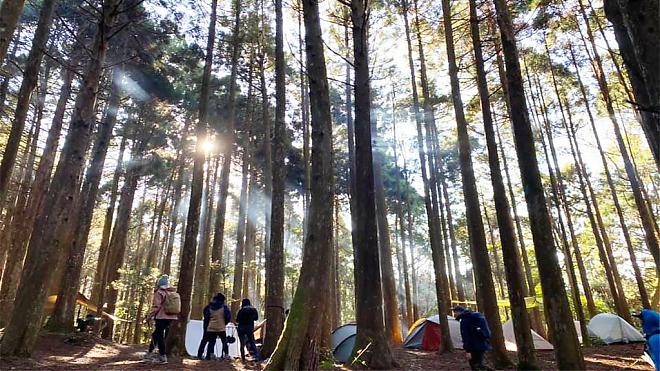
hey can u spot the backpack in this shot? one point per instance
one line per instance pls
(172, 303)
(481, 326)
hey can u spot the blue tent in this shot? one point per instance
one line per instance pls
(343, 341)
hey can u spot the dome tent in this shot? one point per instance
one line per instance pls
(425, 334)
(510, 339)
(343, 341)
(611, 328)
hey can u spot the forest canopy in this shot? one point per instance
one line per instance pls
(376, 162)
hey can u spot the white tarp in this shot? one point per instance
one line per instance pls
(194, 332)
(510, 339)
(611, 328)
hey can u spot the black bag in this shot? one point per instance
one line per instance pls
(230, 338)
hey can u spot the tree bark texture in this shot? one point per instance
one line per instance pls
(298, 347)
(567, 347)
(275, 258)
(514, 275)
(10, 13)
(29, 83)
(636, 30)
(433, 223)
(63, 313)
(46, 242)
(229, 138)
(485, 286)
(177, 335)
(651, 76)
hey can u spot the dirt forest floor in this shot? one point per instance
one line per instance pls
(57, 352)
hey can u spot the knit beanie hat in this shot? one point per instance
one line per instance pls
(163, 282)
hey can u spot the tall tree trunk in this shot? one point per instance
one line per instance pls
(30, 194)
(298, 347)
(403, 264)
(45, 242)
(63, 313)
(615, 199)
(304, 108)
(275, 256)
(486, 297)
(621, 304)
(521, 320)
(436, 245)
(10, 12)
(391, 307)
(230, 138)
(514, 274)
(249, 270)
(530, 290)
(174, 212)
(531, 285)
(433, 161)
(580, 167)
(201, 279)
(4, 87)
(267, 168)
(176, 337)
(444, 228)
(350, 129)
(647, 222)
(559, 199)
(240, 269)
(120, 230)
(100, 274)
(567, 347)
(239, 254)
(636, 30)
(460, 290)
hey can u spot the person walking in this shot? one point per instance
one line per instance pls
(476, 335)
(245, 320)
(216, 316)
(165, 309)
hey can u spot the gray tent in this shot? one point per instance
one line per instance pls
(343, 341)
(611, 328)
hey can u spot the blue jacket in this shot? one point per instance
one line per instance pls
(215, 305)
(475, 332)
(651, 328)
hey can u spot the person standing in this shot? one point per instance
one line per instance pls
(476, 335)
(165, 309)
(245, 319)
(216, 317)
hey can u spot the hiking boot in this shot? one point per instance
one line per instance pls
(160, 360)
(148, 356)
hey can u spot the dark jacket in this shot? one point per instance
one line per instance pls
(215, 305)
(475, 332)
(246, 317)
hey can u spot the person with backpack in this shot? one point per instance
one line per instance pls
(476, 335)
(216, 317)
(165, 309)
(245, 320)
